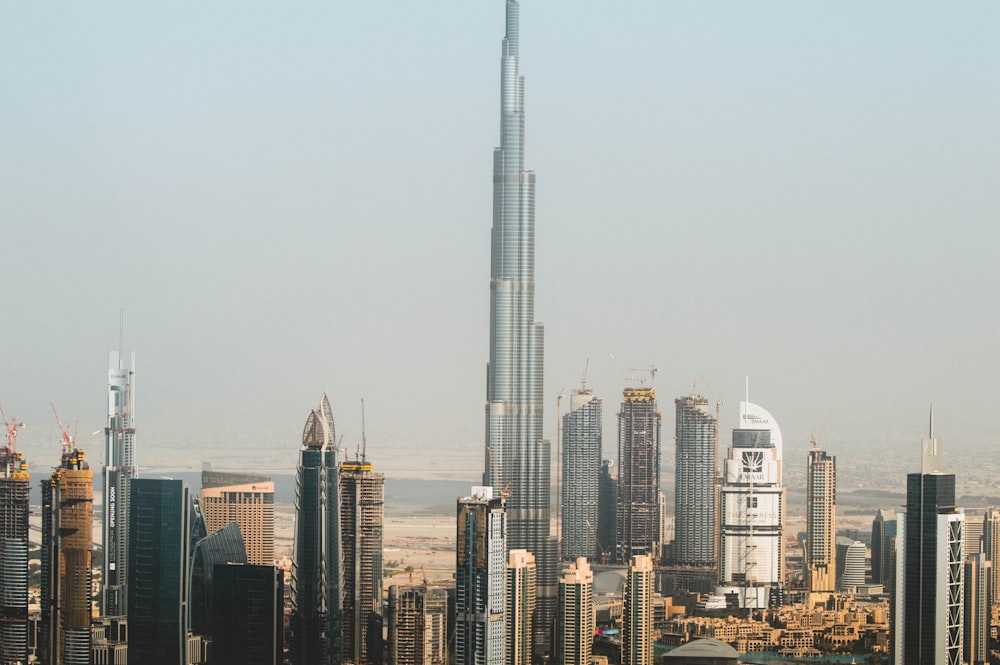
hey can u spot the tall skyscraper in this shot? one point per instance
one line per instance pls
(417, 623)
(928, 622)
(119, 470)
(991, 548)
(362, 503)
(14, 479)
(575, 615)
(821, 522)
(225, 546)
(481, 579)
(977, 609)
(247, 500)
(637, 612)
(607, 498)
(317, 563)
(637, 509)
(160, 539)
(883, 535)
(581, 468)
(521, 599)
(518, 457)
(694, 492)
(752, 510)
(67, 543)
(249, 626)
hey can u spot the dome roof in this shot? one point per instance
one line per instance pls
(704, 648)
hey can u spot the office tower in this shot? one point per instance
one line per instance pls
(991, 548)
(696, 513)
(248, 626)
(521, 598)
(821, 522)
(973, 534)
(853, 574)
(247, 500)
(752, 510)
(637, 613)
(977, 609)
(159, 537)
(417, 621)
(607, 498)
(362, 502)
(518, 457)
(14, 479)
(317, 572)
(581, 451)
(119, 470)
(481, 579)
(883, 533)
(67, 542)
(222, 547)
(637, 516)
(928, 622)
(575, 615)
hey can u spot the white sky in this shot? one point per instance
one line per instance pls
(287, 199)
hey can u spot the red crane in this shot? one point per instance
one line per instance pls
(12, 426)
(67, 440)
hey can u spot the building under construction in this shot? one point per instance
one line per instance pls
(67, 542)
(638, 518)
(14, 480)
(417, 622)
(362, 502)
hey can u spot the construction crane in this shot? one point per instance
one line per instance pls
(814, 438)
(12, 426)
(68, 442)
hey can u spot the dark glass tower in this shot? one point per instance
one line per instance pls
(159, 534)
(607, 497)
(883, 533)
(518, 458)
(14, 481)
(317, 565)
(119, 470)
(694, 493)
(248, 604)
(222, 547)
(929, 595)
(581, 468)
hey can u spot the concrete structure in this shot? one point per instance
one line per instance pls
(607, 498)
(160, 539)
(14, 479)
(637, 516)
(991, 548)
(67, 544)
(929, 617)
(976, 635)
(317, 561)
(481, 579)
(821, 522)
(853, 575)
(518, 457)
(696, 512)
(575, 624)
(637, 613)
(362, 505)
(581, 468)
(752, 511)
(417, 623)
(247, 500)
(883, 555)
(119, 470)
(521, 601)
(708, 651)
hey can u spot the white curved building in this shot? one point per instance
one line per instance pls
(752, 510)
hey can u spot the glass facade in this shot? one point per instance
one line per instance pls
(694, 492)
(248, 602)
(119, 471)
(581, 468)
(223, 546)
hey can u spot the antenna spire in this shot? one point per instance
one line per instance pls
(364, 438)
(931, 431)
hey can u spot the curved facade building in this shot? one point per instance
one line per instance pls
(752, 510)
(317, 577)
(518, 458)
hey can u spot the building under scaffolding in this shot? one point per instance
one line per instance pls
(14, 480)
(638, 511)
(417, 623)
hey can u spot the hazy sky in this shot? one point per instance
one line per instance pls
(288, 198)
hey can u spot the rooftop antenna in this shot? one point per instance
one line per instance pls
(583, 382)
(364, 439)
(931, 430)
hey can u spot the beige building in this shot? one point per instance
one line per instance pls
(521, 601)
(575, 615)
(247, 500)
(637, 615)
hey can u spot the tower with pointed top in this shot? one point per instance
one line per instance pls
(119, 471)
(929, 592)
(317, 568)
(518, 457)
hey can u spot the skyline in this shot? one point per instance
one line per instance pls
(792, 193)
